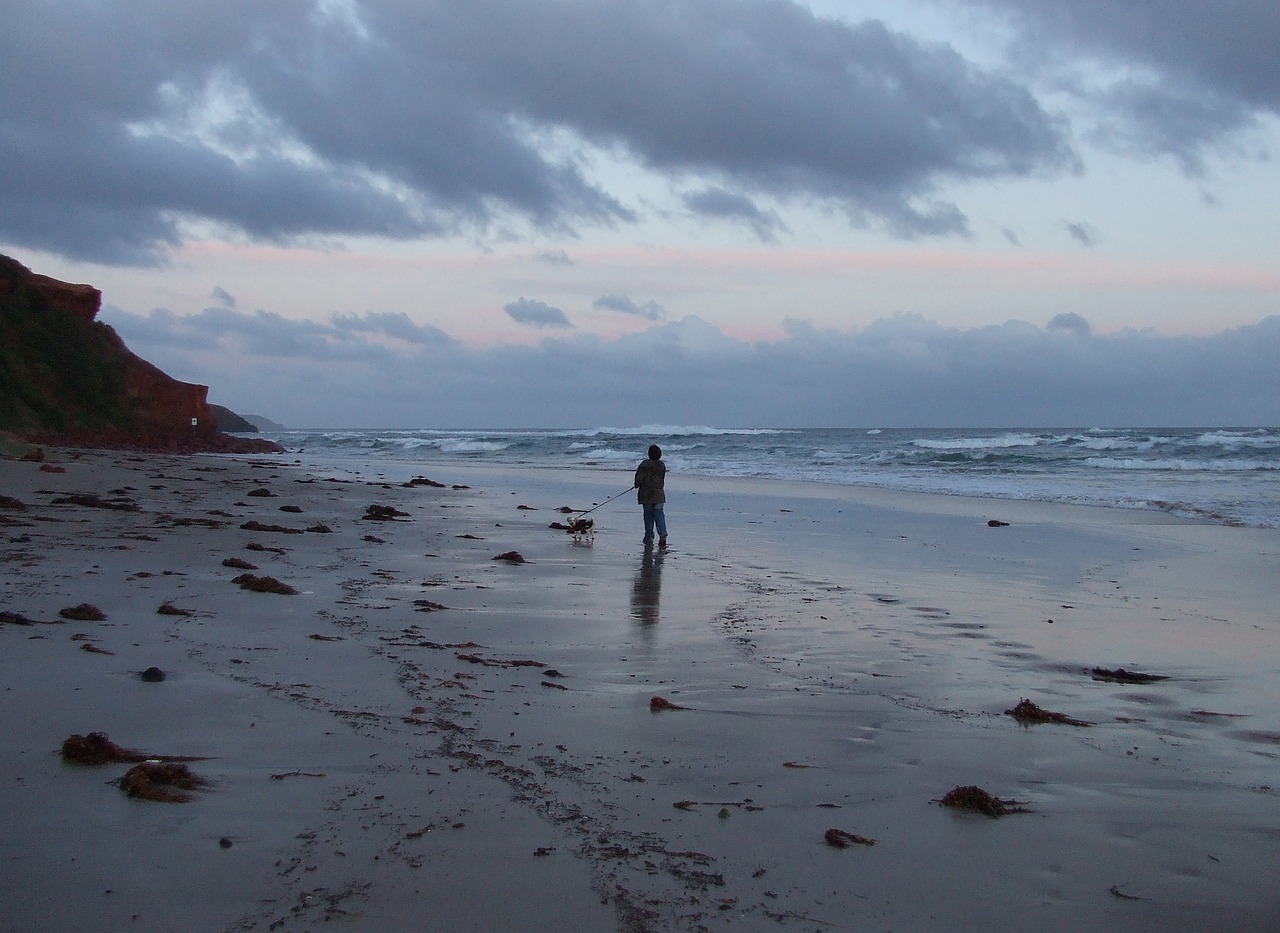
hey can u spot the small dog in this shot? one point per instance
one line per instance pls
(583, 531)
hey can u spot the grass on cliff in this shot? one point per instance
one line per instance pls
(58, 373)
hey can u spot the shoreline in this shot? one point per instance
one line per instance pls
(1224, 475)
(845, 656)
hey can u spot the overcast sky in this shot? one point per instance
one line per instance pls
(403, 213)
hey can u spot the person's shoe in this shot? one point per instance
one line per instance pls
(648, 542)
(662, 542)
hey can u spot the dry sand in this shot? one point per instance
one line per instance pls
(844, 658)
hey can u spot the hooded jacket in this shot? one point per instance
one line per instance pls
(650, 477)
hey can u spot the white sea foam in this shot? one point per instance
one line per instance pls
(1236, 439)
(980, 443)
(471, 446)
(667, 430)
(1220, 465)
(1119, 443)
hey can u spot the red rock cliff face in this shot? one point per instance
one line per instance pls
(166, 410)
(84, 301)
(165, 407)
(158, 411)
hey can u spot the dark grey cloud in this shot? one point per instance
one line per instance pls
(223, 297)
(125, 119)
(726, 205)
(1191, 72)
(395, 325)
(1081, 232)
(235, 336)
(1145, 120)
(221, 330)
(774, 99)
(1227, 47)
(1069, 323)
(903, 371)
(624, 305)
(555, 257)
(537, 313)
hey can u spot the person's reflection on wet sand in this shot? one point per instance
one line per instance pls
(645, 589)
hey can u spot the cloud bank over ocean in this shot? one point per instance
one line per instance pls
(904, 371)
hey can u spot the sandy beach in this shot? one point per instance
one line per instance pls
(425, 737)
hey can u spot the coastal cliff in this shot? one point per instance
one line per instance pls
(68, 379)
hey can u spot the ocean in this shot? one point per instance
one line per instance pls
(1221, 475)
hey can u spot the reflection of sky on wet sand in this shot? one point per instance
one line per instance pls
(647, 586)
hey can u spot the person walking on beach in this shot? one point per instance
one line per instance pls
(650, 477)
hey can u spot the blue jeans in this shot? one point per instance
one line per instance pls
(654, 515)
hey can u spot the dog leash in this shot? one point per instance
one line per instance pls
(607, 501)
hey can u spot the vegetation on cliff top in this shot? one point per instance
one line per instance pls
(58, 373)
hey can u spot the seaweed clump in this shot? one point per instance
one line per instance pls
(1028, 713)
(85, 612)
(256, 584)
(977, 800)
(423, 481)
(1121, 676)
(840, 839)
(658, 704)
(92, 501)
(383, 513)
(96, 749)
(157, 780)
(256, 525)
(15, 618)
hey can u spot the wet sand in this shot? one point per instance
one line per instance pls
(423, 737)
